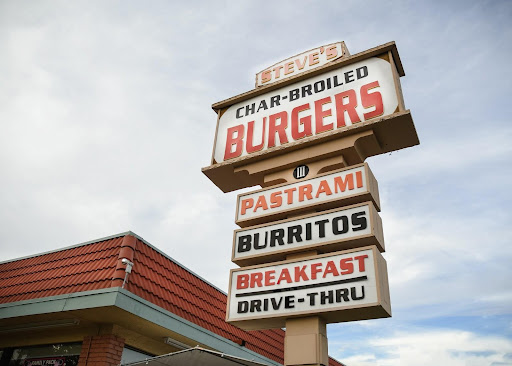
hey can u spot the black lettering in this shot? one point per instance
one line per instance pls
(263, 105)
(321, 227)
(335, 226)
(239, 112)
(294, 94)
(312, 298)
(319, 86)
(328, 82)
(265, 304)
(250, 108)
(257, 242)
(362, 72)
(359, 221)
(308, 231)
(276, 304)
(342, 293)
(336, 83)
(243, 307)
(306, 89)
(353, 294)
(289, 302)
(294, 232)
(276, 235)
(326, 296)
(349, 76)
(275, 101)
(255, 306)
(244, 243)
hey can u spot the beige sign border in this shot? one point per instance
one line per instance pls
(343, 53)
(379, 309)
(371, 194)
(376, 237)
(382, 50)
(355, 142)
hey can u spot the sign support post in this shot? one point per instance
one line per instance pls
(305, 340)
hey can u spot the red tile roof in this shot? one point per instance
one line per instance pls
(155, 278)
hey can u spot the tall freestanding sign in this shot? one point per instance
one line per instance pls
(311, 239)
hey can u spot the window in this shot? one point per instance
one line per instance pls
(60, 353)
(133, 355)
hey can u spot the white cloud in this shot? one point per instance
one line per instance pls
(433, 347)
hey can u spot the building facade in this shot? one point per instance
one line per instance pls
(116, 300)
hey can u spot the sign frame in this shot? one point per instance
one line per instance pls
(379, 309)
(375, 237)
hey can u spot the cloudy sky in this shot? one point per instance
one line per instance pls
(106, 121)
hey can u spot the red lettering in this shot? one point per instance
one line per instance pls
(284, 276)
(266, 76)
(269, 278)
(346, 266)
(331, 52)
(250, 132)
(320, 114)
(330, 268)
(340, 184)
(372, 100)
(299, 65)
(350, 107)
(242, 281)
(235, 137)
(300, 273)
(280, 128)
(246, 203)
(313, 58)
(359, 179)
(261, 203)
(256, 279)
(305, 191)
(304, 121)
(289, 193)
(315, 268)
(288, 68)
(276, 200)
(323, 187)
(277, 71)
(360, 259)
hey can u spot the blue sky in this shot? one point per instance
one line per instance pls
(105, 111)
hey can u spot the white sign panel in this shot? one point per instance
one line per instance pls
(301, 63)
(275, 203)
(334, 100)
(344, 280)
(329, 231)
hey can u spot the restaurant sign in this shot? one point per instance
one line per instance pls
(333, 100)
(301, 63)
(354, 281)
(337, 229)
(342, 187)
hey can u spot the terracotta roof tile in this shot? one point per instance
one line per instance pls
(163, 282)
(154, 277)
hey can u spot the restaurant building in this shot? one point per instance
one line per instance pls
(113, 301)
